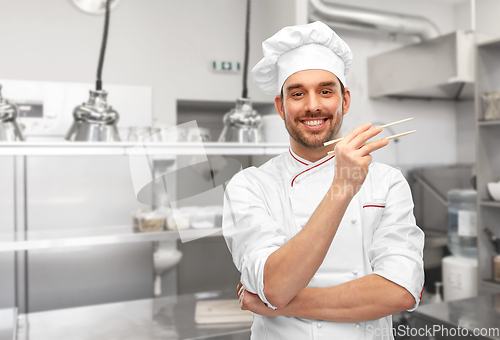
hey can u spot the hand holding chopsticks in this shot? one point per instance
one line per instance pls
(391, 137)
(383, 126)
(354, 158)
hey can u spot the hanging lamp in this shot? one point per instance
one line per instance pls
(243, 124)
(9, 129)
(95, 120)
(94, 6)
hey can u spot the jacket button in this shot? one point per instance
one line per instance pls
(318, 325)
(355, 272)
(353, 221)
(357, 325)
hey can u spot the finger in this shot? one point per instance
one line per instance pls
(351, 135)
(363, 137)
(241, 299)
(238, 287)
(372, 146)
(240, 291)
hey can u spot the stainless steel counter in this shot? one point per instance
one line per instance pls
(480, 316)
(173, 318)
(163, 318)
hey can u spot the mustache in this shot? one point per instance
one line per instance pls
(315, 115)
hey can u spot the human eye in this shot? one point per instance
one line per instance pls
(297, 94)
(326, 91)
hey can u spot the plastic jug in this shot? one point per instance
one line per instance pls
(462, 226)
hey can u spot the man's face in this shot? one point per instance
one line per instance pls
(312, 107)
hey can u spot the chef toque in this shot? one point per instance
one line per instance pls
(313, 46)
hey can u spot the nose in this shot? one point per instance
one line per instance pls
(313, 103)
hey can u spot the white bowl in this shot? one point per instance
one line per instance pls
(494, 190)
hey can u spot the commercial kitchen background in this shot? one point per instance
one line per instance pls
(169, 46)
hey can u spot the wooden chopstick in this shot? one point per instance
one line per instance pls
(391, 137)
(383, 126)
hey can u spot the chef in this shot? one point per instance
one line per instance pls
(327, 246)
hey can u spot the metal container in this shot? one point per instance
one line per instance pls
(242, 124)
(95, 121)
(491, 103)
(9, 129)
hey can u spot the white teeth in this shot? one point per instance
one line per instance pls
(313, 122)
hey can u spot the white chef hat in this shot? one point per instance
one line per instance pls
(313, 46)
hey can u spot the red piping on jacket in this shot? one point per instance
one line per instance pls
(298, 160)
(375, 206)
(293, 180)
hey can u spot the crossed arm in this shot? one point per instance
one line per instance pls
(290, 268)
(367, 298)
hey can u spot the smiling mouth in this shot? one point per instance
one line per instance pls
(314, 123)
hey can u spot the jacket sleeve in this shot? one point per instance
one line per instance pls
(250, 232)
(397, 247)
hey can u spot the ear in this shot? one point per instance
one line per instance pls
(279, 106)
(347, 100)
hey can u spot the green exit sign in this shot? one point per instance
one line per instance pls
(226, 66)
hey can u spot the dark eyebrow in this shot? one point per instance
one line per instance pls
(328, 83)
(325, 83)
(293, 86)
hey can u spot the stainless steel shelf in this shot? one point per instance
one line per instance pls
(33, 240)
(489, 122)
(492, 283)
(128, 148)
(488, 42)
(489, 285)
(495, 204)
(487, 66)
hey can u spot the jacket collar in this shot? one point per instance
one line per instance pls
(298, 159)
(304, 162)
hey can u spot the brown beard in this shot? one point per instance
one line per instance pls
(316, 142)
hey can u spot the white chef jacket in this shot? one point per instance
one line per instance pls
(265, 207)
